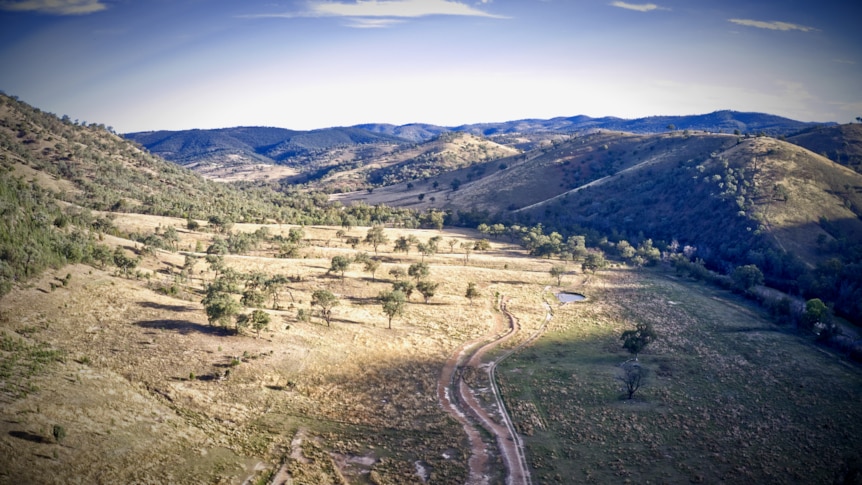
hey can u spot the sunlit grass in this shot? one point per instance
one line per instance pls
(731, 397)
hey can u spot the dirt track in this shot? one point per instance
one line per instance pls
(458, 399)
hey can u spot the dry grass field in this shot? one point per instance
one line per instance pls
(137, 378)
(148, 391)
(731, 397)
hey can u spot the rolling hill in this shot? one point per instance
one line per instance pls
(251, 152)
(739, 200)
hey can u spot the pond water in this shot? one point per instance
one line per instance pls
(570, 297)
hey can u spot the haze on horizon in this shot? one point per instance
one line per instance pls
(185, 64)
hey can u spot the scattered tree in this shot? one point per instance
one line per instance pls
(295, 235)
(405, 287)
(472, 292)
(272, 287)
(393, 304)
(397, 273)
(325, 300)
(746, 277)
(258, 320)
(452, 243)
(482, 245)
(418, 271)
(625, 250)
(339, 264)
(124, 262)
(632, 376)
(557, 272)
(427, 249)
(593, 262)
(402, 245)
(375, 237)
(371, 266)
(468, 248)
(636, 340)
(427, 288)
(219, 305)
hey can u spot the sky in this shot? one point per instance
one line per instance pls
(307, 64)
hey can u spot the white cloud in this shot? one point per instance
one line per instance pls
(772, 25)
(364, 9)
(396, 8)
(366, 23)
(55, 7)
(640, 7)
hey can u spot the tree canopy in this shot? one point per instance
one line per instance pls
(636, 340)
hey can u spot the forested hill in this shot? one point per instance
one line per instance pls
(56, 174)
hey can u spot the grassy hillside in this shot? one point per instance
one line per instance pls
(728, 398)
(794, 214)
(448, 152)
(842, 144)
(533, 177)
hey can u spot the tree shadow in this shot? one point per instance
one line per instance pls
(170, 308)
(508, 282)
(25, 435)
(360, 300)
(185, 327)
(751, 329)
(345, 320)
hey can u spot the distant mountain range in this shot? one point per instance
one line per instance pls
(290, 147)
(717, 122)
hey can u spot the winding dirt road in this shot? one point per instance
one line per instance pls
(460, 401)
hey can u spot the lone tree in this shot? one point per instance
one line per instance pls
(636, 340)
(632, 376)
(557, 272)
(375, 237)
(393, 304)
(472, 292)
(325, 300)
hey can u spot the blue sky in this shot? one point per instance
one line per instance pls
(181, 64)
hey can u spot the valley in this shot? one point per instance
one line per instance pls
(161, 327)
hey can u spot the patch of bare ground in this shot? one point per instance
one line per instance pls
(228, 172)
(148, 391)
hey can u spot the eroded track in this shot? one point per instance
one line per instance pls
(461, 401)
